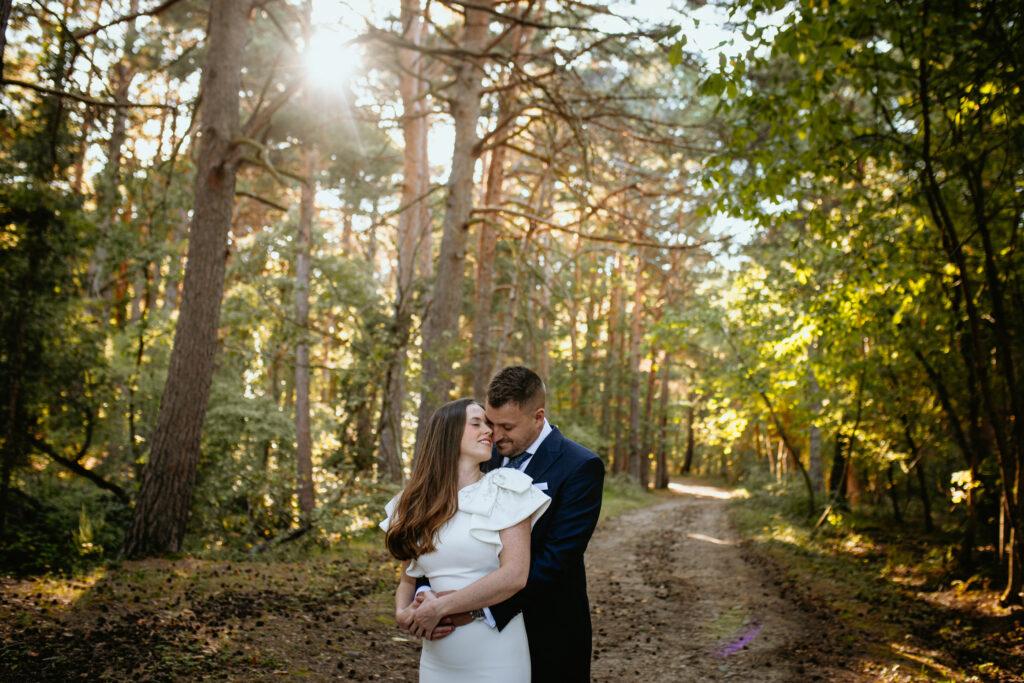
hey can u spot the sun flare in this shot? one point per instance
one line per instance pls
(329, 60)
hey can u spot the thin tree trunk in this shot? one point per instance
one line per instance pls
(172, 283)
(647, 428)
(610, 368)
(541, 330)
(661, 462)
(441, 325)
(487, 243)
(413, 227)
(108, 189)
(303, 437)
(690, 440)
(638, 459)
(793, 451)
(814, 438)
(365, 433)
(481, 360)
(165, 497)
(5, 16)
(891, 490)
(589, 376)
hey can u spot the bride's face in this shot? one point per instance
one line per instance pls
(476, 437)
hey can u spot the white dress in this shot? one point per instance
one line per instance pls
(467, 549)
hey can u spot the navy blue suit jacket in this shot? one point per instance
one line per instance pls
(554, 603)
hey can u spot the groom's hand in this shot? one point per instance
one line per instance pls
(449, 623)
(460, 619)
(444, 628)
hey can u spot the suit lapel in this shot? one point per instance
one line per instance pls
(494, 463)
(547, 453)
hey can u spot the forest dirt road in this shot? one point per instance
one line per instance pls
(674, 597)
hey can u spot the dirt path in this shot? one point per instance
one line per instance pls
(674, 598)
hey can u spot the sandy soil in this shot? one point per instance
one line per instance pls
(675, 598)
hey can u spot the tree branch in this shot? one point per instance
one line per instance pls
(79, 469)
(167, 4)
(261, 200)
(596, 238)
(82, 98)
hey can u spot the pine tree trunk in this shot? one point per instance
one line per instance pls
(441, 326)
(5, 16)
(413, 227)
(590, 376)
(162, 508)
(661, 469)
(172, 283)
(647, 426)
(637, 458)
(609, 386)
(690, 440)
(541, 330)
(108, 187)
(303, 436)
(816, 469)
(482, 356)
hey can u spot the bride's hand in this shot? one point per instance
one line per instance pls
(426, 616)
(404, 617)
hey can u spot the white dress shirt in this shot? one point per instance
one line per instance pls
(532, 449)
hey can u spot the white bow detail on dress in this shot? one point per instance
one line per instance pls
(479, 498)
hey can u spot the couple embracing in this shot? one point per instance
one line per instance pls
(491, 531)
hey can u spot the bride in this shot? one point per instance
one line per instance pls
(469, 533)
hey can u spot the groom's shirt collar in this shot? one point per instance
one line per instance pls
(545, 430)
(532, 448)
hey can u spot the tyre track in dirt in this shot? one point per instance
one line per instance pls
(675, 598)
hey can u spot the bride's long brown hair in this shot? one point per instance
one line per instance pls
(432, 496)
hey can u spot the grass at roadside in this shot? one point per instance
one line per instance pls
(622, 494)
(889, 589)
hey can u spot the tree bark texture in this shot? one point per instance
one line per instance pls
(162, 507)
(441, 325)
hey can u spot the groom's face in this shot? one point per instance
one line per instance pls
(515, 426)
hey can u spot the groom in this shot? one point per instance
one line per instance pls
(554, 603)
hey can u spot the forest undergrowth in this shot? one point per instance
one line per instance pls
(302, 609)
(897, 590)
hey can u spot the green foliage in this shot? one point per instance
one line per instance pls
(65, 528)
(50, 363)
(877, 147)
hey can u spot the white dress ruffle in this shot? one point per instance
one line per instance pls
(501, 499)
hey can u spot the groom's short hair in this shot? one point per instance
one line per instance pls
(516, 384)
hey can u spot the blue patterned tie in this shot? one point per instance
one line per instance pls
(517, 460)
